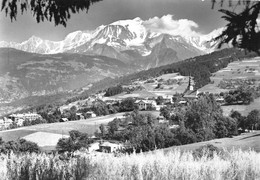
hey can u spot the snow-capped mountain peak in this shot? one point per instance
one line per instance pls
(121, 35)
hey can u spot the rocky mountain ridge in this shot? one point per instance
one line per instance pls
(121, 35)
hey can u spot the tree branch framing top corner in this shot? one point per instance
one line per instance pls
(58, 11)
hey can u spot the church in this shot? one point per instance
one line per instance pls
(190, 92)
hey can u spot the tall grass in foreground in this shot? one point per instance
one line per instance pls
(173, 165)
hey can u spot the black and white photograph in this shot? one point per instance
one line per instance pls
(129, 90)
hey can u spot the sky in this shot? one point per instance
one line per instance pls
(194, 15)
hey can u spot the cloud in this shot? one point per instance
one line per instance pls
(166, 24)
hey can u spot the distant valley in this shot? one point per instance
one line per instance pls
(26, 74)
(38, 67)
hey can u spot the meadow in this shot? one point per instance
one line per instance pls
(34, 133)
(244, 69)
(172, 165)
(243, 109)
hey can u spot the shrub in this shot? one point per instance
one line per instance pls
(207, 150)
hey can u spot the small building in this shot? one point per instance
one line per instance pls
(145, 104)
(19, 122)
(112, 101)
(79, 116)
(220, 100)
(110, 147)
(175, 126)
(5, 123)
(25, 116)
(167, 99)
(90, 114)
(183, 102)
(158, 107)
(64, 120)
(2, 124)
(93, 147)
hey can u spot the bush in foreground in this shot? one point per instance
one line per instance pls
(157, 165)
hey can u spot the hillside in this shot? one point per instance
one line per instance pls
(246, 141)
(25, 74)
(200, 67)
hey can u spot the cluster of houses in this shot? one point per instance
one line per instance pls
(18, 119)
(145, 104)
(5, 123)
(107, 146)
(79, 116)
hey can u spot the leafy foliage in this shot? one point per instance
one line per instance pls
(253, 119)
(207, 150)
(114, 91)
(242, 95)
(201, 120)
(76, 141)
(58, 11)
(242, 30)
(127, 104)
(19, 146)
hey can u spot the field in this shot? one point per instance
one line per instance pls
(177, 84)
(243, 109)
(244, 141)
(46, 133)
(172, 165)
(168, 88)
(141, 94)
(245, 69)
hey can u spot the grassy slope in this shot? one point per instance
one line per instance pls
(234, 70)
(244, 141)
(89, 126)
(243, 109)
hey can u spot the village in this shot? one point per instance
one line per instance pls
(151, 104)
(144, 103)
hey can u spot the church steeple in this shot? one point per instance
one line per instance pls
(191, 84)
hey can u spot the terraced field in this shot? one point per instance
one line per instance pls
(239, 70)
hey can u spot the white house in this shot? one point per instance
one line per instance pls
(25, 116)
(145, 104)
(110, 147)
(220, 100)
(79, 116)
(167, 99)
(5, 123)
(64, 120)
(93, 147)
(19, 122)
(90, 114)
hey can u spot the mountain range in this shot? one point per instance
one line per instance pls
(118, 36)
(40, 67)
